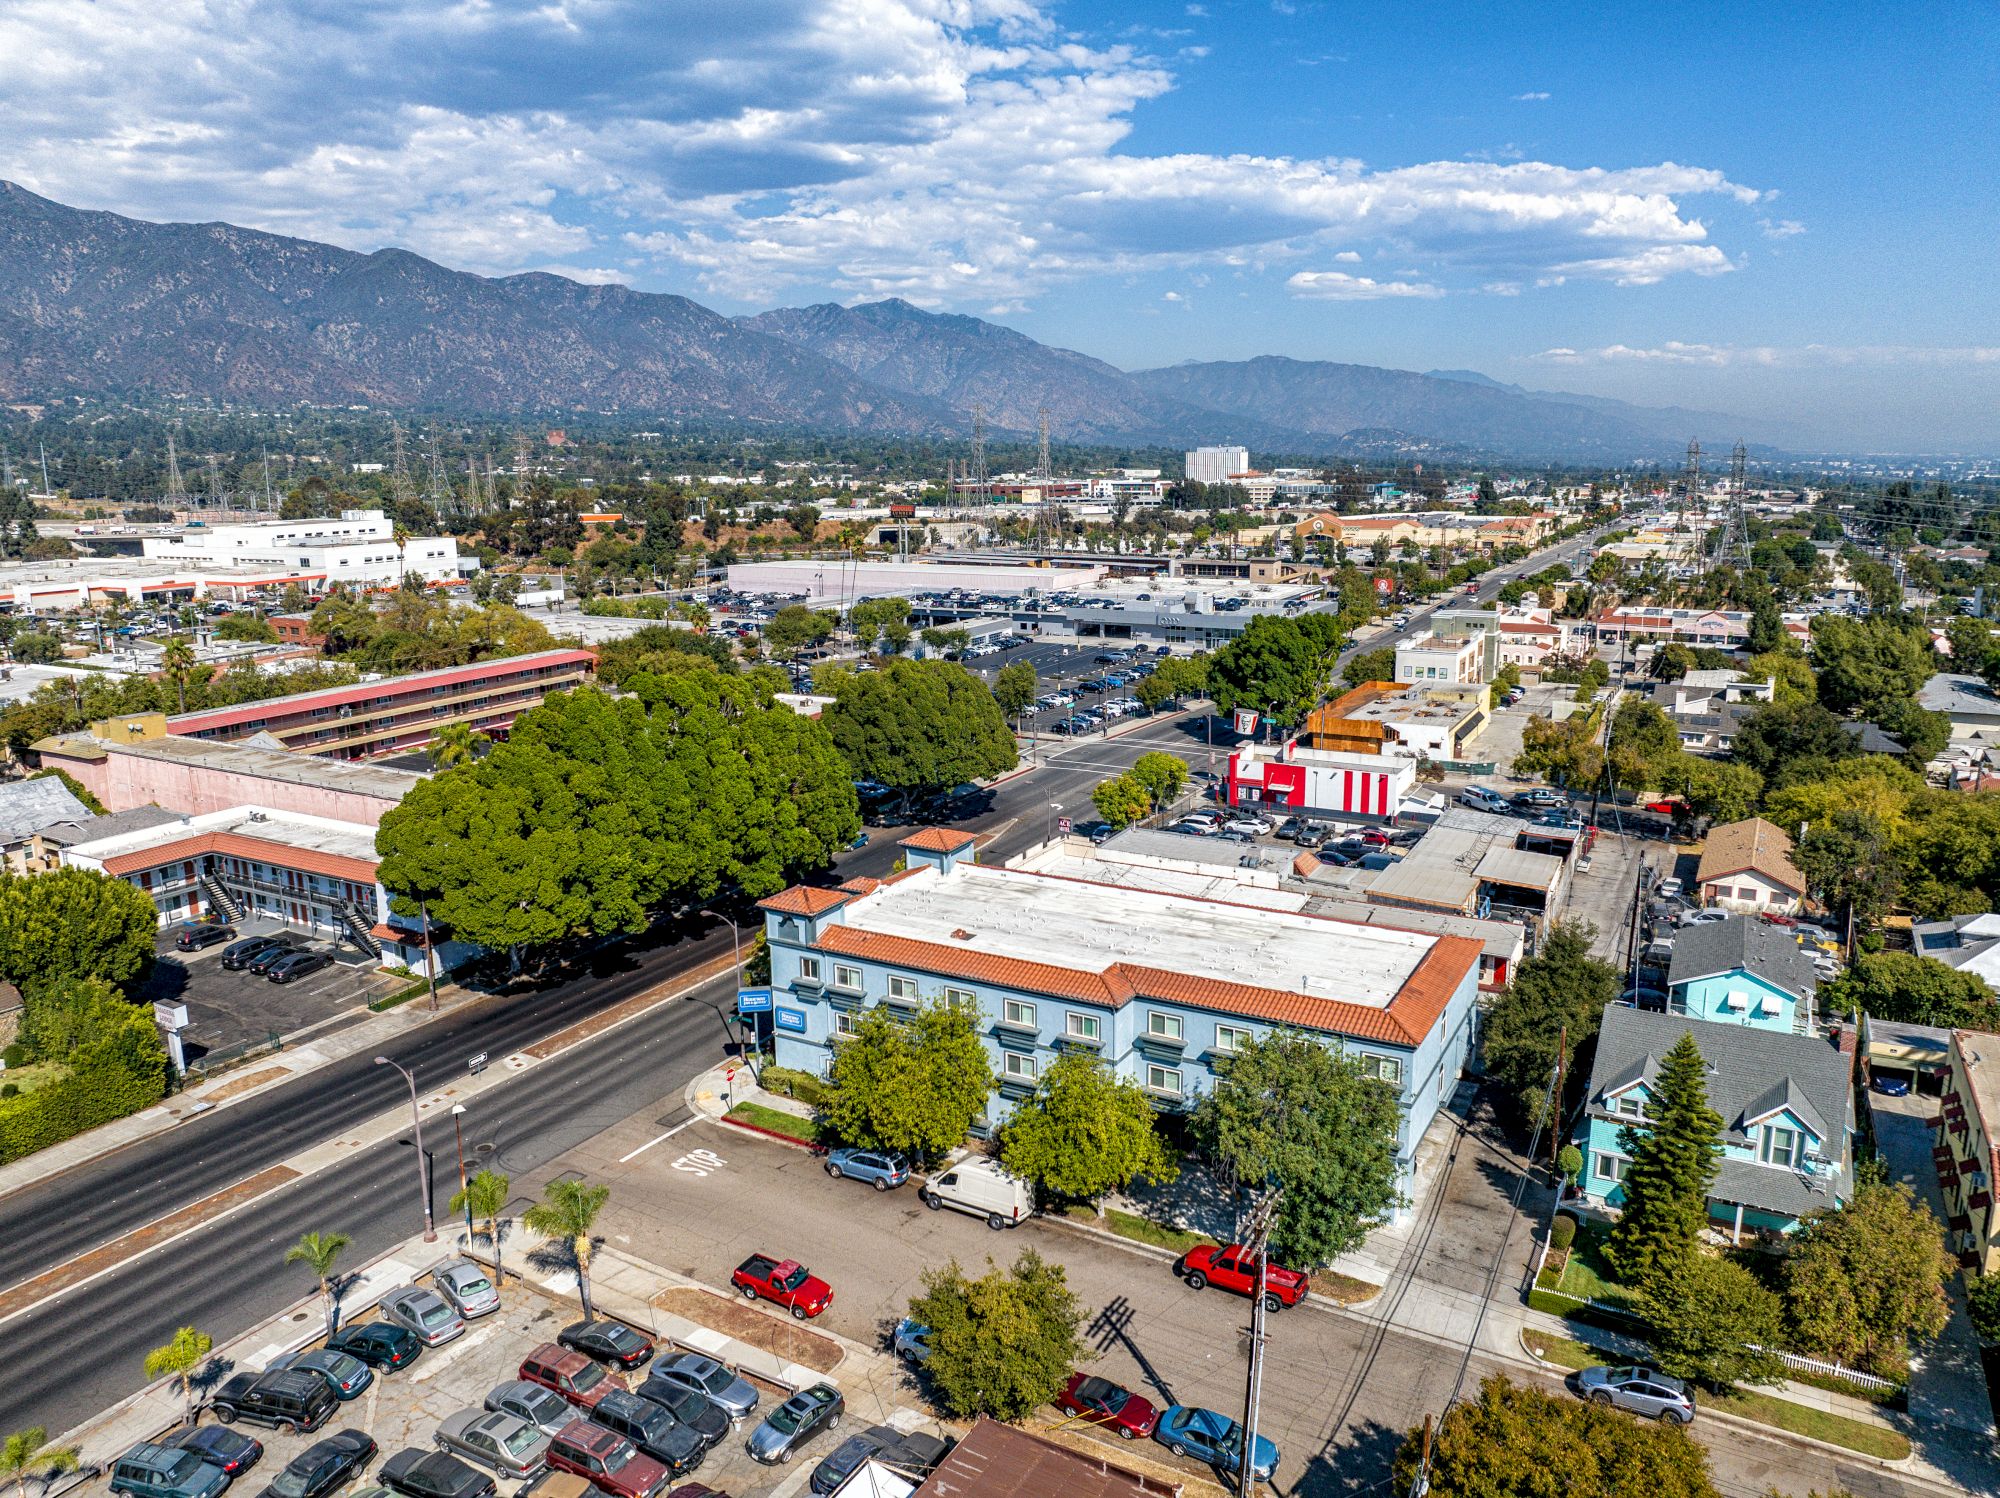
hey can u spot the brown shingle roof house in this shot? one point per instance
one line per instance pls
(1748, 865)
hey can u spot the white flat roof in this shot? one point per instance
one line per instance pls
(1070, 859)
(289, 829)
(1033, 918)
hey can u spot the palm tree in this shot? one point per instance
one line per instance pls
(484, 1197)
(177, 657)
(455, 744)
(180, 1358)
(568, 1210)
(402, 539)
(317, 1251)
(28, 1452)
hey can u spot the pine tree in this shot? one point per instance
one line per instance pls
(1674, 1157)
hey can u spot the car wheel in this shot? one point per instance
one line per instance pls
(1273, 1303)
(931, 1201)
(995, 1221)
(785, 1455)
(798, 1313)
(1125, 1433)
(1197, 1281)
(880, 1184)
(1600, 1397)
(1177, 1448)
(225, 1414)
(1672, 1417)
(749, 1291)
(833, 1170)
(833, 1423)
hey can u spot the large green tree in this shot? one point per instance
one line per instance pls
(919, 726)
(1673, 1156)
(74, 923)
(1176, 678)
(1292, 1112)
(1908, 989)
(1792, 740)
(1865, 663)
(1279, 666)
(1370, 665)
(1562, 988)
(1014, 687)
(910, 1085)
(1864, 1279)
(1003, 1344)
(1519, 1441)
(1709, 1320)
(1085, 1131)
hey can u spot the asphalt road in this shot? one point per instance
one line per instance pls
(225, 1278)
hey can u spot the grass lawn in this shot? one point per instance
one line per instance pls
(1765, 1409)
(1139, 1229)
(29, 1078)
(1587, 1276)
(788, 1124)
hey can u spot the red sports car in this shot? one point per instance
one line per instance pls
(1102, 1402)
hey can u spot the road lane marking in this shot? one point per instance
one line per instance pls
(659, 1139)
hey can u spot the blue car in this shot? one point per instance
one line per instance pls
(1188, 1430)
(878, 1168)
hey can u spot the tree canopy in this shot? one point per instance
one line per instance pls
(918, 725)
(1672, 1158)
(1864, 1278)
(73, 923)
(1709, 1319)
(1910, 989)
(1279, 665)
(1561, 987)
(1085, 1131)
(1865, 663)
(1003, 1344)
(911, 1085)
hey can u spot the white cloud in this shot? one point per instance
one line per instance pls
(1338, 286)
(1782, 228)
(1197, 10)
(962, 152)
(1805, 356)
(1531, 98)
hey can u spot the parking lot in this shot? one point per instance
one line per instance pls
(228, 1010)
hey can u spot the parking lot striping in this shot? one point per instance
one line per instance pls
(459, 1347)
(660, 1139)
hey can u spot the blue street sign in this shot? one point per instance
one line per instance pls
(793, 1020)
(753, 1001)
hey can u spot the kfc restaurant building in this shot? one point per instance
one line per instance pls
(1323, 783)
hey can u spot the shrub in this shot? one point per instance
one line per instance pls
(10, 1089)
(1562, 1234)
(788, 1082)
(15, 1055)
(1982, 1298)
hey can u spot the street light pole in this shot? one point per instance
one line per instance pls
(423, 1175)
(464, 1191)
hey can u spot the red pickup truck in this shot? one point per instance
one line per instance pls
(783, 1282)
(1231, 1268)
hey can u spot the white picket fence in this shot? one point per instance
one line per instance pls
(1799, 1363)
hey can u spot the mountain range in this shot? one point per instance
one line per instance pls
(96, 304)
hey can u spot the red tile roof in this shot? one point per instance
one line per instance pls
(237, 845)
(936, 840)
(804, 899)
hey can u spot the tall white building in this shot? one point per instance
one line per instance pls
(359, 547)
(1214, 465)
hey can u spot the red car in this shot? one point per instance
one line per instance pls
(1232, 1269)
(783, 1282)
(570, 1374)
(606, 1460)
(1375, 837)
(1102, 1402)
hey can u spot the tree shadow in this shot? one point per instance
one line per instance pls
(1361, 1460)
(1197, 1200)
(208, 1378)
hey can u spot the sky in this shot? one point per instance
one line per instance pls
(1781, 212)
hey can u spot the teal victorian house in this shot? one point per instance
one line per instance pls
(1784, 1087)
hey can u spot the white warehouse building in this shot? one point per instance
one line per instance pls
(359, 547)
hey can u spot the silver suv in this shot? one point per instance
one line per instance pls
(1643, 1391)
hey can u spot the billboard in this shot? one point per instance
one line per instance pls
(1245, 720)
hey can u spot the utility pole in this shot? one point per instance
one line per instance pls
(1556, 1099)
(1638, 900)
(1257, 1240)
(177, 498)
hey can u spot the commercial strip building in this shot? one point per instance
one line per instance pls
(1432, 657)
(835, 583)
(396, 714)
(1723, 629)
(1425, 529)
(1164, 987)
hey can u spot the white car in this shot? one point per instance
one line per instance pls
(1670, 889)
(1704, 917)
(1254, 826)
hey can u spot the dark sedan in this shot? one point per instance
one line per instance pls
(324, 1467)
(248, 950)
(220, 1446)
(271, 956)
(194, 936)
(435, 1474)
(379, 1344)
(297, 965)
(693, 1410)
(607, 1341)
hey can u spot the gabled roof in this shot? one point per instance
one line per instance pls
(1754, 846)
(1782, 1096)
(1742, 944)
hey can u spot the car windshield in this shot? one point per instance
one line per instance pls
(684, 1404)
(586, 1379)
(793, 1280)
(435, 1314)
(617, 1456)
(787, 1417)
(521, 1441)
(183, 1467)
(624, 1338)
(472, 1284)
(291, 1483)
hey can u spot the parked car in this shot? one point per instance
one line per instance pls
(911, 1341)
(220, 1446)
(879, 1168)
(649, 1426)
(196, 935)
(1643, 1391)
(1102, 1402)
(468, 1288)
(608, 1461)
(1668, 889)
(578, 1379)
(379, 1344)
(1541, 796)
(540, 1407)
(274, 954)
(151, 1470)
(983, 1189)
(417, 1473)
(424, 1312)
(1890, 1086)
(344, 1373)
(1188, 1430)
(788, 1427)
(1249, 825)
(240, 954)
(689, 1408)
(783, 1282)
(299, 965)
(735, 1397)
(503, 1443)
(325, 1466)
(1704, 917)
(1311, 835)
(845, 1459)
(1228, 1267)
(608, 1342)
(289, 1397)
(1480, 798)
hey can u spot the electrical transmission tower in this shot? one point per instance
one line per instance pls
(1044, 472)
(1691, 499)
(977, 477)
(521, 464)
(216, 497)
(1739, 528)
(177, 495)
(267, 504)
(400, 488)
(437, 490)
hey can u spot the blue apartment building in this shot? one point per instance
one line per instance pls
(1783, 1085)
(1164, 987)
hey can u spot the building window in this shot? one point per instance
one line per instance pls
(1018, 1068)
(1610, 1168)
(844, 1023)
(1384, 1069)
(1164, 1079)
(904, 989)
(1017, 1012)
(1231, 1038)
(961, 998)
(1162, 1026)
(846, 977)
(1084, 1027)
(1631, 1105)
(1781, 1145)
(808, 970)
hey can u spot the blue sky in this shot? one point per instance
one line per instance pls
(1777, 211)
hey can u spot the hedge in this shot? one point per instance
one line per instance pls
(787, 1082)
(1562, 1234)
(84, 1099)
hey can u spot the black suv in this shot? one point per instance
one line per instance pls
(677, 1447)
(290, 1396)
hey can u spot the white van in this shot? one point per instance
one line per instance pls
(983, 1189)
(1479, 798)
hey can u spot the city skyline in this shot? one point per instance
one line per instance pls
(1700, 209)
